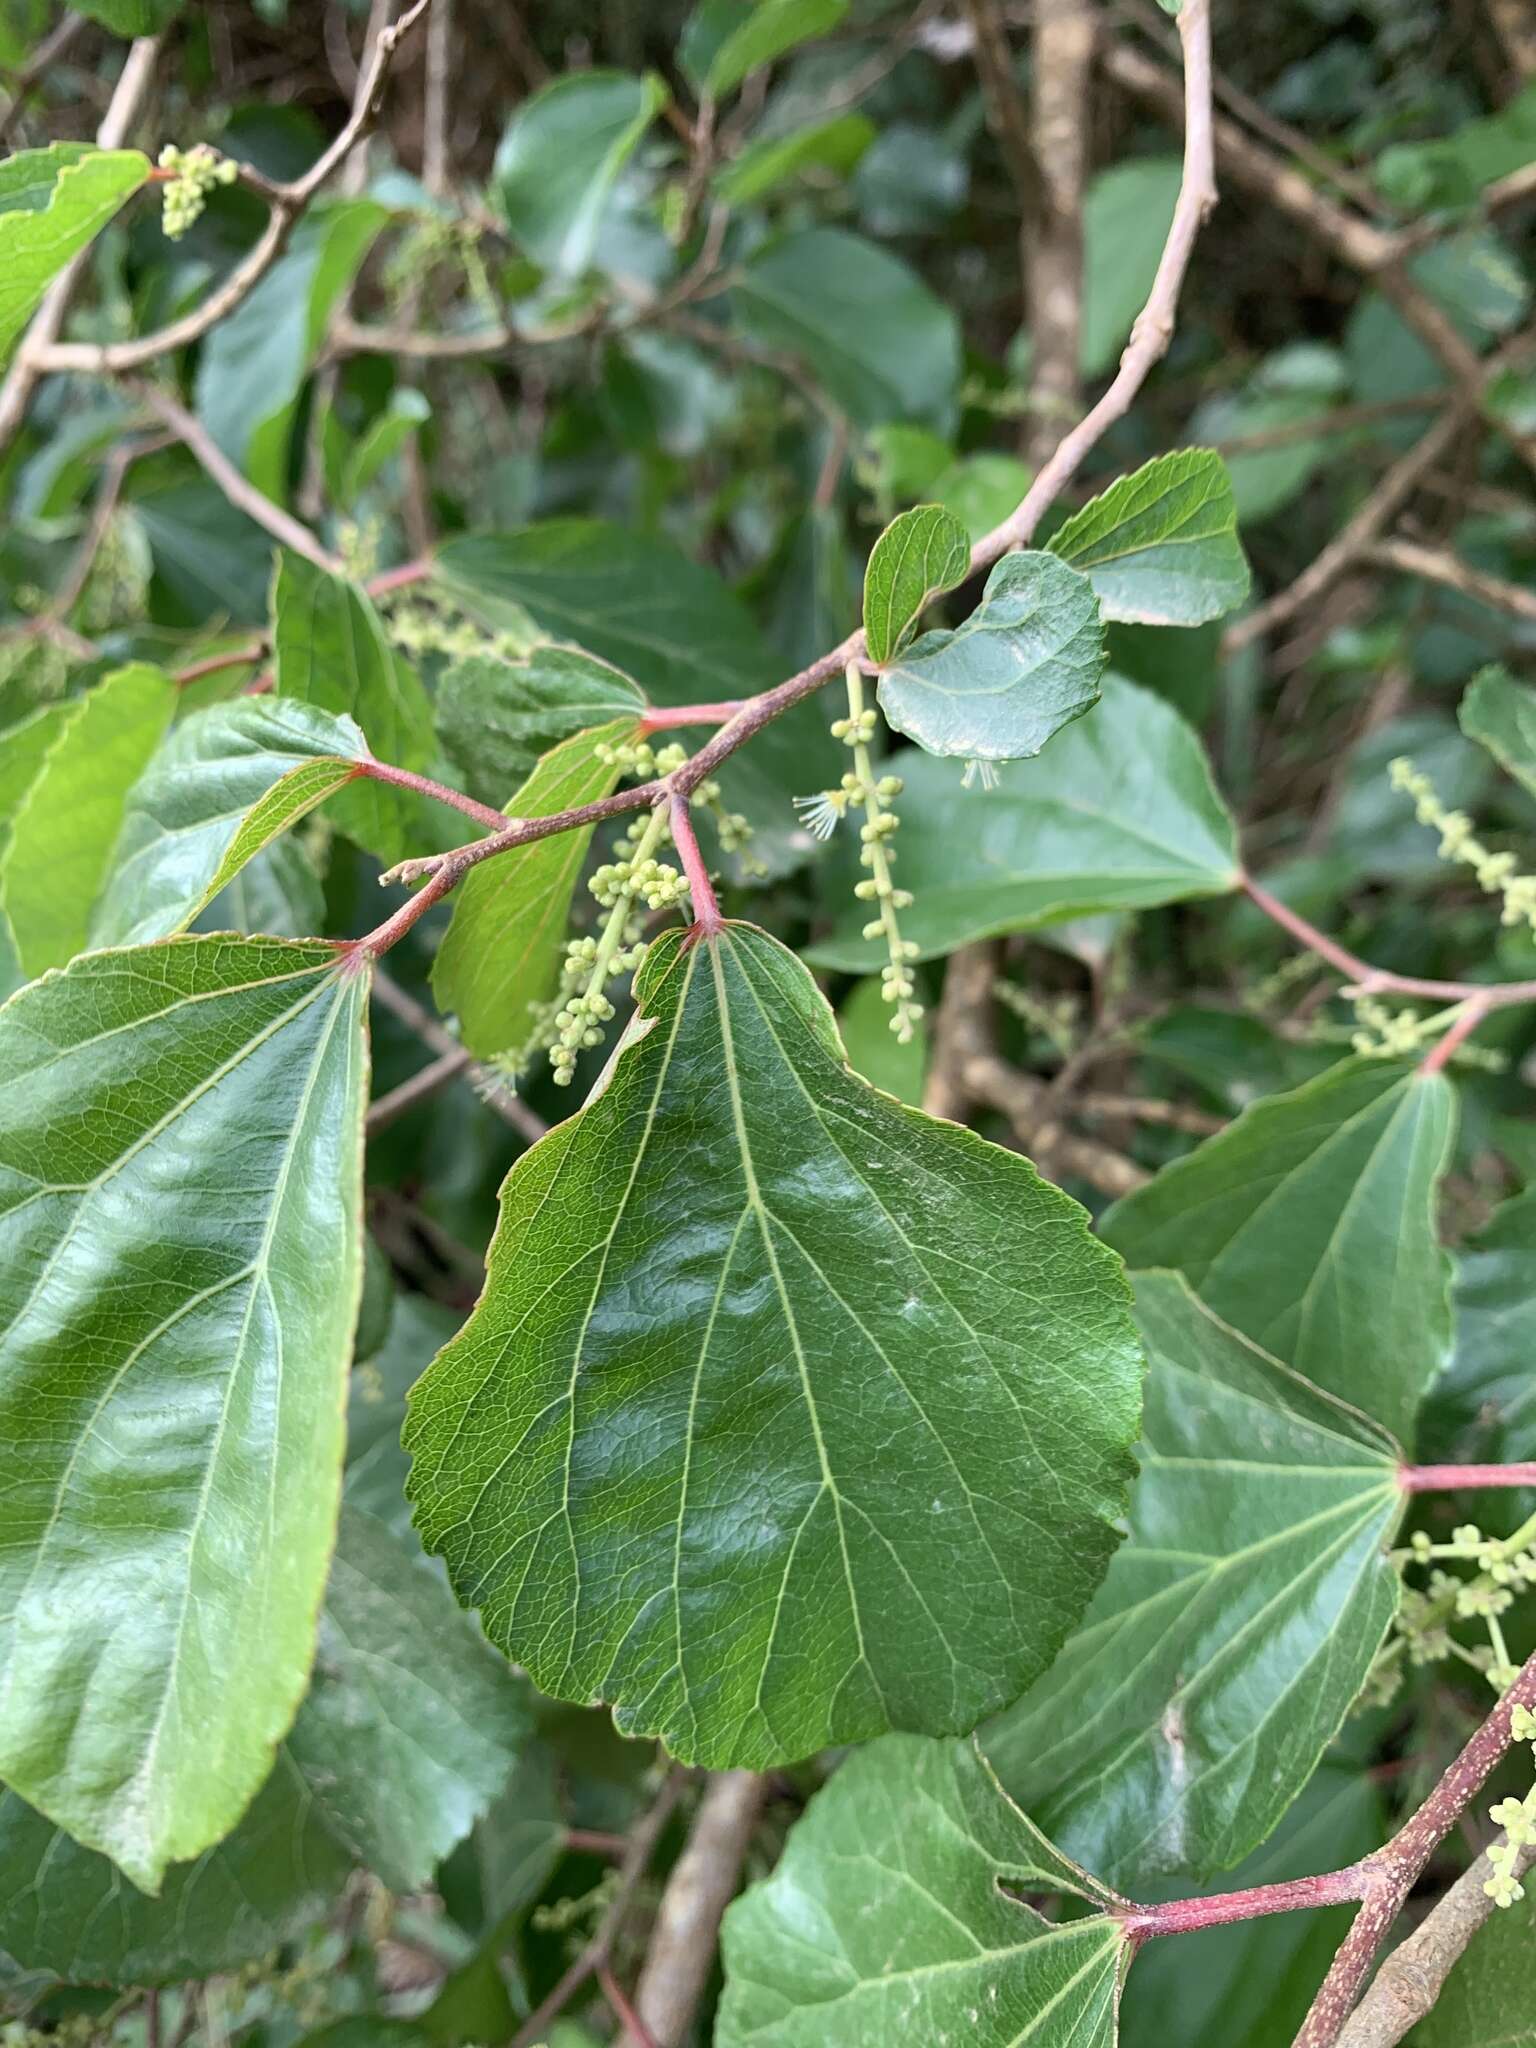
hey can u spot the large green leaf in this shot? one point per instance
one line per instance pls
(64, 828)
(896, 1914)
(221, 788)
(867, 328)
(331, 649)
(1025, 663)
(499, 962)
(52, 203)
(561, 154)
(1483, 1407)
(252, 366)
(724, 40)
(495, 717)
(637, 601)
(1120, 814)
(180, 1180)
(788, 1415)
(920, 555)
(1309, 1224)
(1236, 1626)
(1489, 1999)
(413, 1723)
(1160, 547)
(1500, 714)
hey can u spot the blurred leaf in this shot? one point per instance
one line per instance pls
(53, 201)
(920, 555)
(935, 1943)
(1451, 170)
(64, 829)
(220, 789)
(912, 180)
(1483, 1407)
(1237, 1624)
(330, 649)
(1500, 714)
(1489, 1998)
(1160, 547)
(1310, 1224)
(764, 165)
(1025, 663)
(496, 717)
(873, 1049)
(866, 327)
(252, 366)
(1296, 384)
(499, 962)
(981, 490)
(132, 17)
(560, 157)
(1120, 814)
(406, 413)
(1126, 219)
(723, 40)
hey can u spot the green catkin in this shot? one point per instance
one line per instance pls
(1496, 872)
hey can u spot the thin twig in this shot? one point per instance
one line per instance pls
(1439, 565)
(25, 81)
(436, 1036)
(429, 1081)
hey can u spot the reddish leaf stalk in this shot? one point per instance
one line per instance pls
(623, 2011)
(403, 778)
(706, 908)
(398, 578)
(1462, 1028)
(1463, 1478)
(665, 718)
(1187, 1916)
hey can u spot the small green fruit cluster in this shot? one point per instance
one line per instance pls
(195, 173)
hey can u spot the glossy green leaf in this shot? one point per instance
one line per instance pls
(1120, 814)
(331, 650)
(832, 146)
(865, 326)
(53, 202)
(1483, 1407)
(561, 155)
(180, 1179)
(1500, 714)
(724, 40)
(413, 1723)
(1025, 663)
(1237, 1624)
(1309, 1224)
(499, 962)
(920, 555)
(1126, 219)
(68, 1912)
(932, 1941)
(221, 788)
(496, 717)
(733, 1439)
(639, 602)
(64, 828)
(253, 364)
(1160, 547)
(1489, 1998)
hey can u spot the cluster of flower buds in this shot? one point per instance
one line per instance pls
(626, 888)
(1517, 1819)
(1496, 872)
(195, 173)
(419, 629)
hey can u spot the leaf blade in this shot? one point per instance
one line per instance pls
(920, 555)
(1160, 546)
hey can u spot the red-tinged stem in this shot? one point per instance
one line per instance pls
(1187, 1916)
(238, 657)
(1462, 1028)
(663, 718)
(394, 929)
(706, 909)
(1463, 1478)
(1381, 980)
(398, 578)
(623, 2011)
(403, 778)
(594, 1842)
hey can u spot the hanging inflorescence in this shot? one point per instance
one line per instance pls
(1498, 873)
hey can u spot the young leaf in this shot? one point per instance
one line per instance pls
(253, 364)
(180, 1175)
(866, 327)
(561, 155)
(496, 717)
(1160, 547)
(788, 1415)
(1309, 1224)
(499, 962)
(934, 1942)
(724, 40)
(64, 828)
(920, 555)
(1236, 1626)
(1500, 714)
(52, 203)
(221, 788)
(331, 650)
(1122, 814)
(413, 1723)
(1025, 663)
